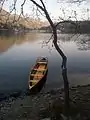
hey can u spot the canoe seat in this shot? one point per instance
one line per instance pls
(33, 80)
(38, 69)
(40, 62)
(36, 75)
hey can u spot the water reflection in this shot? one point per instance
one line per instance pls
(20, 51)
(82, 40)
(8, 40)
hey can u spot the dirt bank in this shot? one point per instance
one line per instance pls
(47, 105)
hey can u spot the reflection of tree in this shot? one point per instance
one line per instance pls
(68, 37)
(83, 42)
(5, 44)
(8, 40)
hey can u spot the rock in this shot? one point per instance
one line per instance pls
(21, 104)
(47, 95)
(62, 90)
(46, 119)
(77, 91)
(62, 98)
(73, 89)
(57, 106)
(44, 113)
(24, 114)
(16, 94)
(1, 118)
(3, 97)
(78, 86)
(53, 92)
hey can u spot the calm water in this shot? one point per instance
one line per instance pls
(19, 52)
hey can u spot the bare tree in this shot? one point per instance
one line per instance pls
(64, 58)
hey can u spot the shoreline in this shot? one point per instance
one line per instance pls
(47, 104)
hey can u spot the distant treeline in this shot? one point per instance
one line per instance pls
(67, 27)
(12, 27)
(16, 23)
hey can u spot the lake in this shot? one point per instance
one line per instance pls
(18, 54)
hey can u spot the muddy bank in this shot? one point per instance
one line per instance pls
(47, 105)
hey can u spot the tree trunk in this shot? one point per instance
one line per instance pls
(64, 72)
(66, 90)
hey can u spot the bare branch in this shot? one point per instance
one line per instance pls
(76, 24)
(22, 6)
(40, 12)
(76, 1)
(1, 2)
(37, 5)
(13, 9)
(45, 11)
(49, 39)
(18, 18)
(65, 21)
(43, 4)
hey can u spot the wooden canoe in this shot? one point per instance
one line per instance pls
(38, 75)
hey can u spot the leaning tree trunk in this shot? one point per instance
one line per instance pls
(64, 63)
(64, 71)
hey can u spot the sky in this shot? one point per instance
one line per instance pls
(55, 9)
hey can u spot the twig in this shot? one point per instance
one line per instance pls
(37, 5)
(49, 39)
(1, 4)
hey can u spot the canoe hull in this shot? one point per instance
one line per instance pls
(37, 88)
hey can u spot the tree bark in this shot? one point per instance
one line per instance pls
(64, 72)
